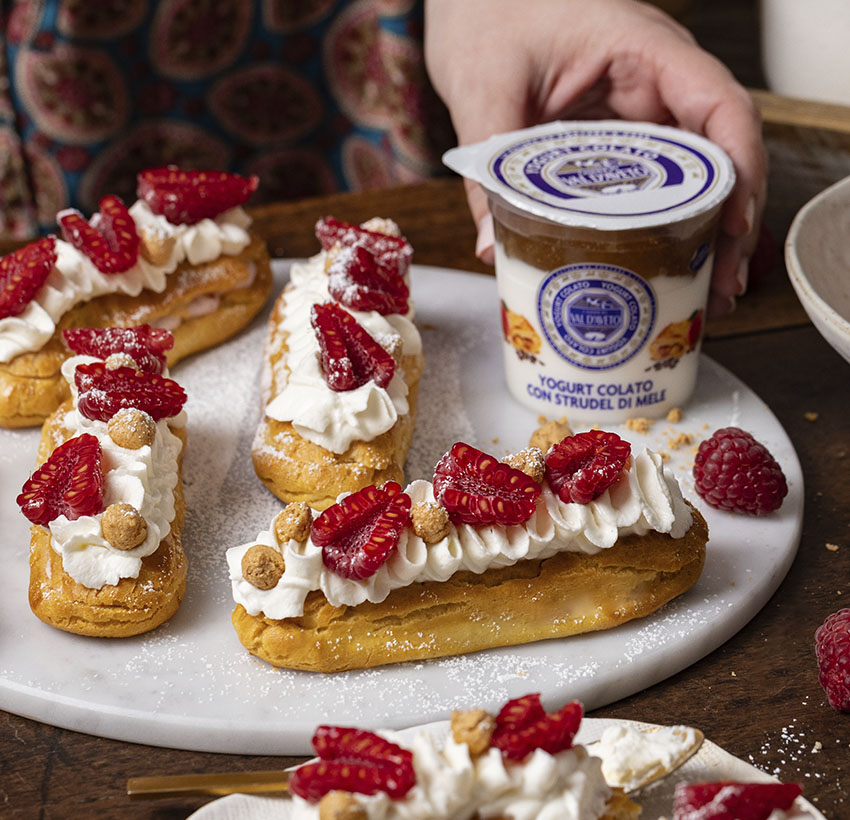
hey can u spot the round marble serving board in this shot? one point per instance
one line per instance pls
(190, 684)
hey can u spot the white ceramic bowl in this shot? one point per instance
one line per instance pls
(817, 255)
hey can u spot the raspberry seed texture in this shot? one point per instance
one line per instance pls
(477, 488)
(736, 473)
(522, 726)
(581, 467)
(832, 649)
(69, 483)
(354, 760)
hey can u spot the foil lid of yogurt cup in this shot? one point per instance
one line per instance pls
(608, 174)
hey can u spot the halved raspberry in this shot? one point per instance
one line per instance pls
(110, 240)
(581, 467)
(147, 345)
(69, 483)
(393, 251)
(23, 272)
(354, 760)
(732, 801)
(734, 472)
(522, 726)
(187, 197)
(102, 392)
(358, 534)
(477, 488)
(832, 649)
(350, 356)
(359, 281)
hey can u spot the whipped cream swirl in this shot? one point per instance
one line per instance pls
(451, 786)
(74, 279)
(647, 497)
(144, 478)
(333, 419)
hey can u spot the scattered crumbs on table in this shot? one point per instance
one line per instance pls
(809, 415)
(734, 675)
(680, 440)
(832, 547)
(791, 757)
(674, 414)
(639, 424)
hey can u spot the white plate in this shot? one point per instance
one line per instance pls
(191, 685)
(710, 763)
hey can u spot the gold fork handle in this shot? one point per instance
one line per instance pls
(179, 785)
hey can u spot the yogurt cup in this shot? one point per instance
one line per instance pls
(605, 234)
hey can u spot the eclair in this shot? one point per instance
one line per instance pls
(519, 764)
(342, 361)
(106, 501)
(487, 554)
(181, 258)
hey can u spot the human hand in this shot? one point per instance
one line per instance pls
(500, 66)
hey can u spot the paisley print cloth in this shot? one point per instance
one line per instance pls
(313, 96)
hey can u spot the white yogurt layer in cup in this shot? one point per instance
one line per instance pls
(605, 236)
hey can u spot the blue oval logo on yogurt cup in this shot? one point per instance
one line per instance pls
(595, 316)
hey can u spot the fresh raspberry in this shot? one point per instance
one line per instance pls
(187, 197)
(357, 280)
(146, 344)
(832, 648)
(110, 240)
(23, 272)
(350, 356)
(734, 472)
(392, 251)
(69, 483)
(358, 534)
(522, 726)
(477, 488)
(581, 467)
(354, 760)
(102, 392)
(732, 801)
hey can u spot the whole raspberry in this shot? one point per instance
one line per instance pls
(832, 648)
(734, 472)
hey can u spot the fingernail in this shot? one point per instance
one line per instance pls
(750, 214)
(486, 240)
(743, 274)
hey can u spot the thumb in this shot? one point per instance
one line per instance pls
(476, 198)
(472, 126)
